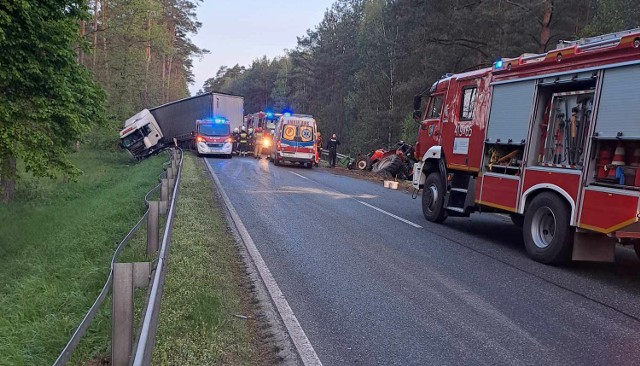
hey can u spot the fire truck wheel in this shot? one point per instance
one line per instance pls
(433, 198)
(547, 234)
(517, 219)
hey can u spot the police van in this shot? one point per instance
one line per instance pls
(295, 140)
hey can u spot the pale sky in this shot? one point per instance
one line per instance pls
(239, 31)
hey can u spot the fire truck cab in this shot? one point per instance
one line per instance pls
(553, 139)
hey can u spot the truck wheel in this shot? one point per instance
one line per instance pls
(517, 219)
(433, 198)
(547, 235)
(363, 163)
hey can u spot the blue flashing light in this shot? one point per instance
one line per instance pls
(498, 64)
(220, 120)
(288, 114)
(269, 114)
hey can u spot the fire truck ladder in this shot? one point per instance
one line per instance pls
(601, 41)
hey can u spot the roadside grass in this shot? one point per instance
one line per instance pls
(56, 241)
(205, 286)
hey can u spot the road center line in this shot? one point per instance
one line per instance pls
(299, 175)
(371, 206)
(390, 214)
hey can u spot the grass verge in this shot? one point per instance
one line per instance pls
(205, 286)
(56, 241)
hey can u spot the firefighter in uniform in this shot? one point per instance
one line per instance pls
(250, 141)
(243, 141)
(235, 136)
(257, 137)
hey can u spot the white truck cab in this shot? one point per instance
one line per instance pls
(141, 132)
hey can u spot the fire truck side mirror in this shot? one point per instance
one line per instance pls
(417, 101)
(417, 116)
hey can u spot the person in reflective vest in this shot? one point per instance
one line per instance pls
(257, 138)
(244, 140)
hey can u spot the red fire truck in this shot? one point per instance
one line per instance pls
(553, 139)
(267, 121)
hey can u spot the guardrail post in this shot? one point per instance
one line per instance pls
(164, 196)
(122, 314)
(170, 173)
(172, 185)
(152, 227)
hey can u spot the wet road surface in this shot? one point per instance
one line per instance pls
(373, 283)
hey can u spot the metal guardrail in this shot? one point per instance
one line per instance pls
(325, 155)
(147, 337)
(149, 322)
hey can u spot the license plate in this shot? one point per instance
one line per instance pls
(214, 145)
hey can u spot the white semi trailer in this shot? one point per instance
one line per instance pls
(151, 130)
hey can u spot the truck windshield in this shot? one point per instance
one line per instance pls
(218, 129)
(132, 138)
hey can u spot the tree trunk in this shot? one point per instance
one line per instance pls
(95, 34)
(103, 11)
(83, 32)
(148, 54)
(7, 178)
(545, 28)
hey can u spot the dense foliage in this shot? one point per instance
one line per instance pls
(359, 69)
(140, 51)
(60, 56)
(48, 100)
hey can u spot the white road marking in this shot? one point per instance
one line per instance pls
(390, 214)
(372, 206)
(300, 341)
(300, 175)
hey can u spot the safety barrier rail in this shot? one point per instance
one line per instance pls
(123, 278)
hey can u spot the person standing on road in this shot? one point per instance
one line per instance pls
(318, 148)
(258, 136)
(332, 146)
(236, 137)
(244, 139)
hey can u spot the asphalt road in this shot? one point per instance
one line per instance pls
(372, 289)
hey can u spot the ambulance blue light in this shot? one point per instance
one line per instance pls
(287, 112)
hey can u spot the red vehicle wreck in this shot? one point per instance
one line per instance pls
(553, 139)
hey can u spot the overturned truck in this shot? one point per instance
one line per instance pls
(151, 130)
